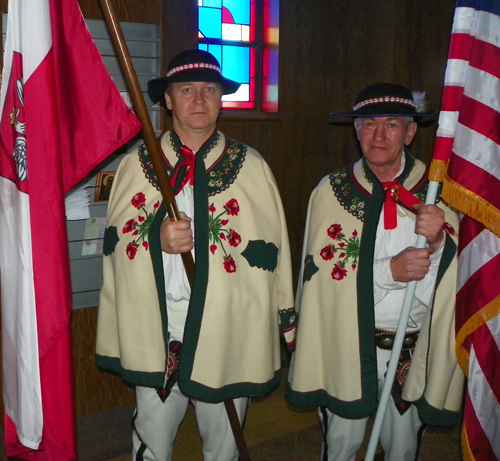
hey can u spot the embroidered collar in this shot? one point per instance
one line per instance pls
(355, 198)
(176, 144)
(221, 174)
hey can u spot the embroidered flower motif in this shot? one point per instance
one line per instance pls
(219, 233)
(334, 230)
(346, 189)
(234, 239)
(232, 207)
(327, 253)
(132, 250)
(339, 176)
(129, 226)
(229, 264)
(227, 168)
(138, 200)
(338, 272)
(140, 227)
(349, 251)
(347, 194)
(357, 206)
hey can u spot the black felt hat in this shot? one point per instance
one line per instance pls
(387, 100)
(190, 66)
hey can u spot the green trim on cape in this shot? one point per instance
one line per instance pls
(113, 365)
(434, 417)
(157, 262)
(348, 193)
(199, 289)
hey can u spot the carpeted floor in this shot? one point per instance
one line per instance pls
(274, 431)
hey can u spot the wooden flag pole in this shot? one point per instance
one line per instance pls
(152, 145)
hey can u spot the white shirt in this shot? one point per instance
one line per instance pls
(177, 287)
(389, 294)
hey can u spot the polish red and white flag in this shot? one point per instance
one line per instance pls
(60, 115)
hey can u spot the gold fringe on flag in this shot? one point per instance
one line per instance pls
(477, 320)
(466, 451)
(471, 204)
(438, 170)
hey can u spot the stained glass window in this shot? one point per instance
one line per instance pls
(228, 30)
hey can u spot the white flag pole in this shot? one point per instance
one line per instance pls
(430, 199)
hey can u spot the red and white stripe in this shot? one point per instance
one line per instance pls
(469, 139)
(478, 338)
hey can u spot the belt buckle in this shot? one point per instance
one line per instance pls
(385, 340)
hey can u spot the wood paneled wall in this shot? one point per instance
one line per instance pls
(329, 50)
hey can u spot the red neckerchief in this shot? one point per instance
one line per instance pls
(189, 163)
(395, 192)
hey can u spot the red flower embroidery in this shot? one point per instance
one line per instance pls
(232, 207)
(346, 251)
(138, 199)
(338, 273)
(129, 226)
(327, 253)
(334, 230)
(139, 227)
(131, 250)
(234, 239)
(229, 265)
(219, 232)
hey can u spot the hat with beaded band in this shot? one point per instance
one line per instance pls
(190, 66)
(387, 100)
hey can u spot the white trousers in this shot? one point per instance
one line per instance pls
(155, 426)
(400, 435)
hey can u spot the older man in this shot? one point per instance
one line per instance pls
(220, 339)
(358, 256)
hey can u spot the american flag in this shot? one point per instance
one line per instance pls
(467, 161)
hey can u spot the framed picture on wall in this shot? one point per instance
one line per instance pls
(103, 184)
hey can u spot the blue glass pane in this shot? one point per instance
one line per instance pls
(216, 51)
(236, 63)
(210, 22)
(202, 46)
(240, 9)
(213, 3)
